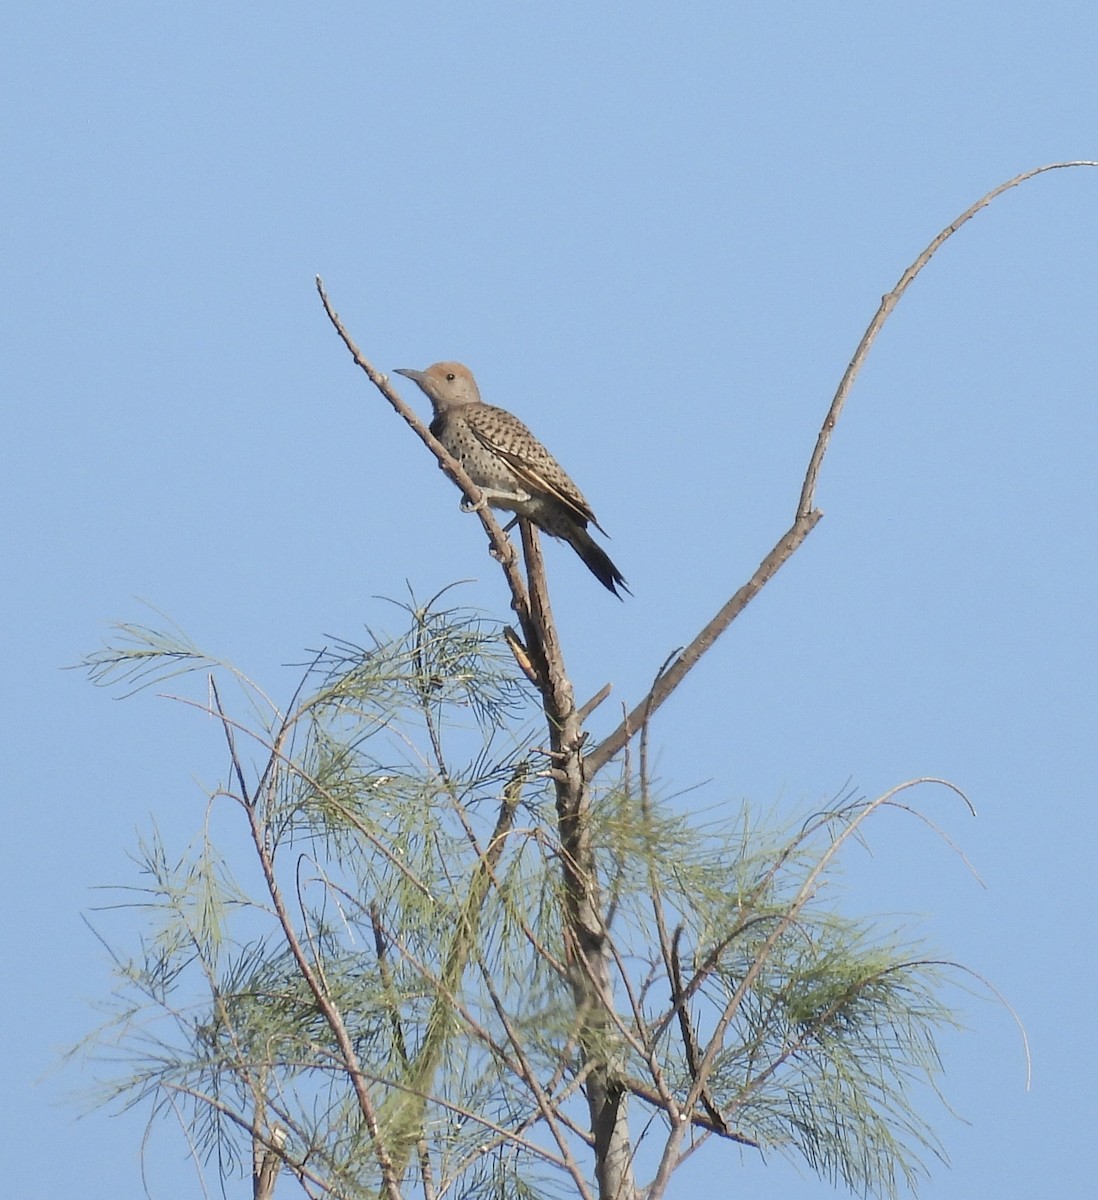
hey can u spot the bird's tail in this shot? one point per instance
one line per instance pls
(595, 559)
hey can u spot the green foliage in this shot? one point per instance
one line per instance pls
(409, 881)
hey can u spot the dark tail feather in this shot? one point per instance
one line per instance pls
(596, 560)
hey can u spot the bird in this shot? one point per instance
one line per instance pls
(511, 467)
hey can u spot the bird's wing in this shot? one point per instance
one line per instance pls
(507, 437)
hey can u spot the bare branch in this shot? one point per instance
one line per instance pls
(689, 1043)
(522, 655)
(589, 706)
(501, 546)
(807, 515)
(674, 675)
(888, 303)
(227, 726)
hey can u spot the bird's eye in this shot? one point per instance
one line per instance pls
(450, 376)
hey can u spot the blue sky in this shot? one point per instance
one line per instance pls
(656, 232)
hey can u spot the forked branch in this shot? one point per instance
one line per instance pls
(807, 514)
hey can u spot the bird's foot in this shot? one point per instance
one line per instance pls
(496, 498)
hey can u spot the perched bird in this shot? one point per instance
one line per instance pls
(510, 466)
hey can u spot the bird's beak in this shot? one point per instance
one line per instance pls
(415, 376)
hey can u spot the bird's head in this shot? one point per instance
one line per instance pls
(447, 385)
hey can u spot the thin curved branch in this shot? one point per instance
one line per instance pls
(888, 303)
(860, 815)
(295, 768)
(807, 514)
